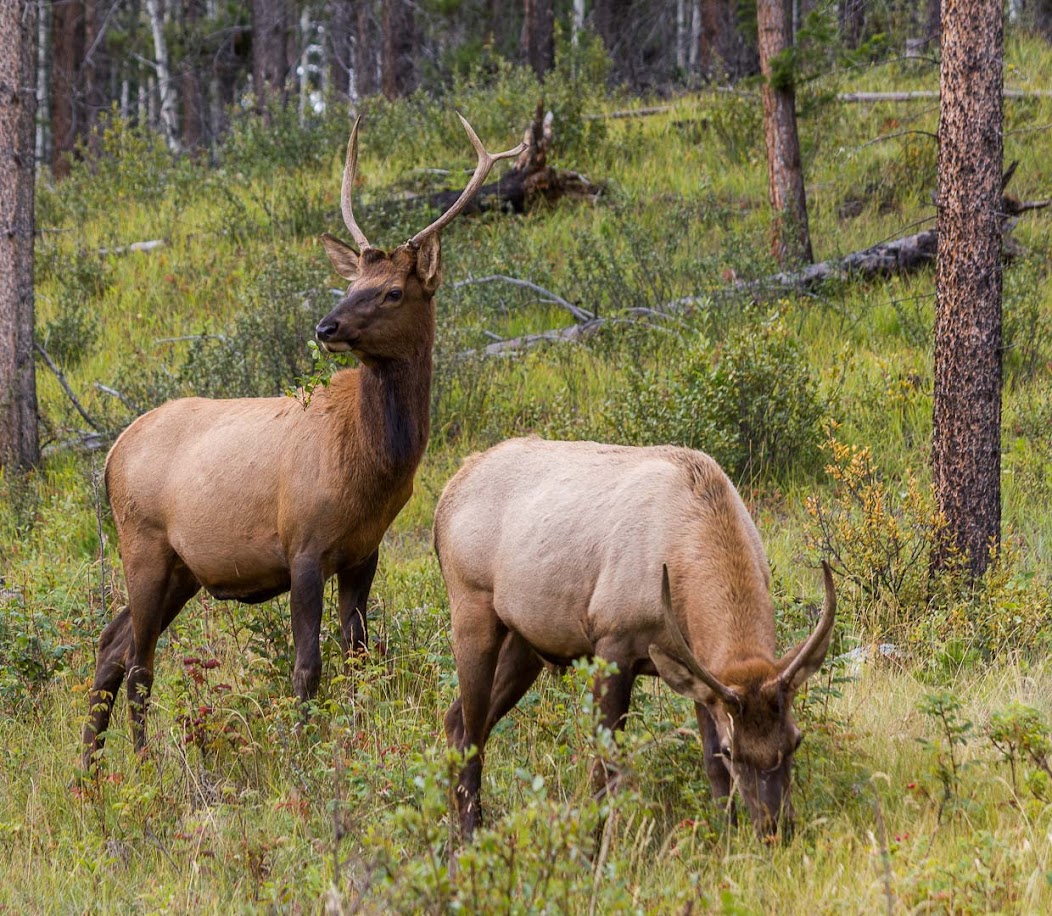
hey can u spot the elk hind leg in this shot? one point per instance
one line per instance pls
(354, 585)
(613, 695)
(517, 669)
(157, 592)
(477, 639)
(114, 647)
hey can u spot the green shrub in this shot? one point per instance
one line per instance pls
(752, 403)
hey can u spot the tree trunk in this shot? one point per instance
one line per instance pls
(852, 21)
(19, 443)
(538, 40)
(1042, 18)
(341, 48)
(365, 55)
(790, 237)
(610, 19)
(270, 63)
(499, 32)
(399, 49)
(165, 84)
(966, 446)
(67, 109)
(191, 67)
(96, 68)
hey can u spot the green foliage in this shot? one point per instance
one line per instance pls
(751, 403)
(737, 122)
(33, 649)
(81, 281)
(952, 731)
(876, 534)
(1021, 734)
(242, 802)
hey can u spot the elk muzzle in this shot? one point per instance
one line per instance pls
(766, 795)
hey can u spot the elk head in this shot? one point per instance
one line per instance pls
(752, 709)
(389, 292)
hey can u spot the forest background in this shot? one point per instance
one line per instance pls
(924, 782)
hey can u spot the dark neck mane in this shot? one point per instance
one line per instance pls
(394, 410)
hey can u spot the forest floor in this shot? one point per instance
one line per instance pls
(923, 783)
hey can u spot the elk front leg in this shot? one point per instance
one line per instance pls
(613, 694)
(354, 584)
(307, 592)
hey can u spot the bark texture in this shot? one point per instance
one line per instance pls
(966, 448)
(68, 121)
(790, 236)
(852, 16)
(270, 51)
(399, 49)
(538, 35)
(19, 444)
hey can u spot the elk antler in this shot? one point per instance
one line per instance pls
(486, 162)
(682, 650)
(785, 678)
(348, 185)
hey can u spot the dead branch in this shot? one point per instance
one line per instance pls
(114, 393)
(897, 256)
(86, 441)
(134, 246)
(930, 94)
(65, 385)
(550, 298)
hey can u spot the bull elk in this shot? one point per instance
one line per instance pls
(252, 497)
(644, 557)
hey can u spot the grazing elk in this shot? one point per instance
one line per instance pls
(645, 557)
(253, 497)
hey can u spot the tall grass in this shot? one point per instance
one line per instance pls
(239, 807)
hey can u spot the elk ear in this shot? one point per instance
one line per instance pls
(429, 263)
(679, 677)
(343, 257)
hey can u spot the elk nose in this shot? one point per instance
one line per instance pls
(326, 329)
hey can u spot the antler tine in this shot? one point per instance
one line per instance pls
(820, 633)
(682, 650)
(485, 163)
(349, 171)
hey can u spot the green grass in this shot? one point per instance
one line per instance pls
(238, 808)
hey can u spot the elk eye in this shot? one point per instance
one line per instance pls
(394, 295)
(725, 751)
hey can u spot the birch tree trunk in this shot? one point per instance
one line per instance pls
(169, 114)
(966, 445)
(19, 444)
(790, 236)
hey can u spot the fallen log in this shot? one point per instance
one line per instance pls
(896, 257)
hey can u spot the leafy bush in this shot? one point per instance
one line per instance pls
(258, 353)
(752, 403)
(876, 534)
(32, 648)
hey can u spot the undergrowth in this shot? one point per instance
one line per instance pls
(924, 780)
